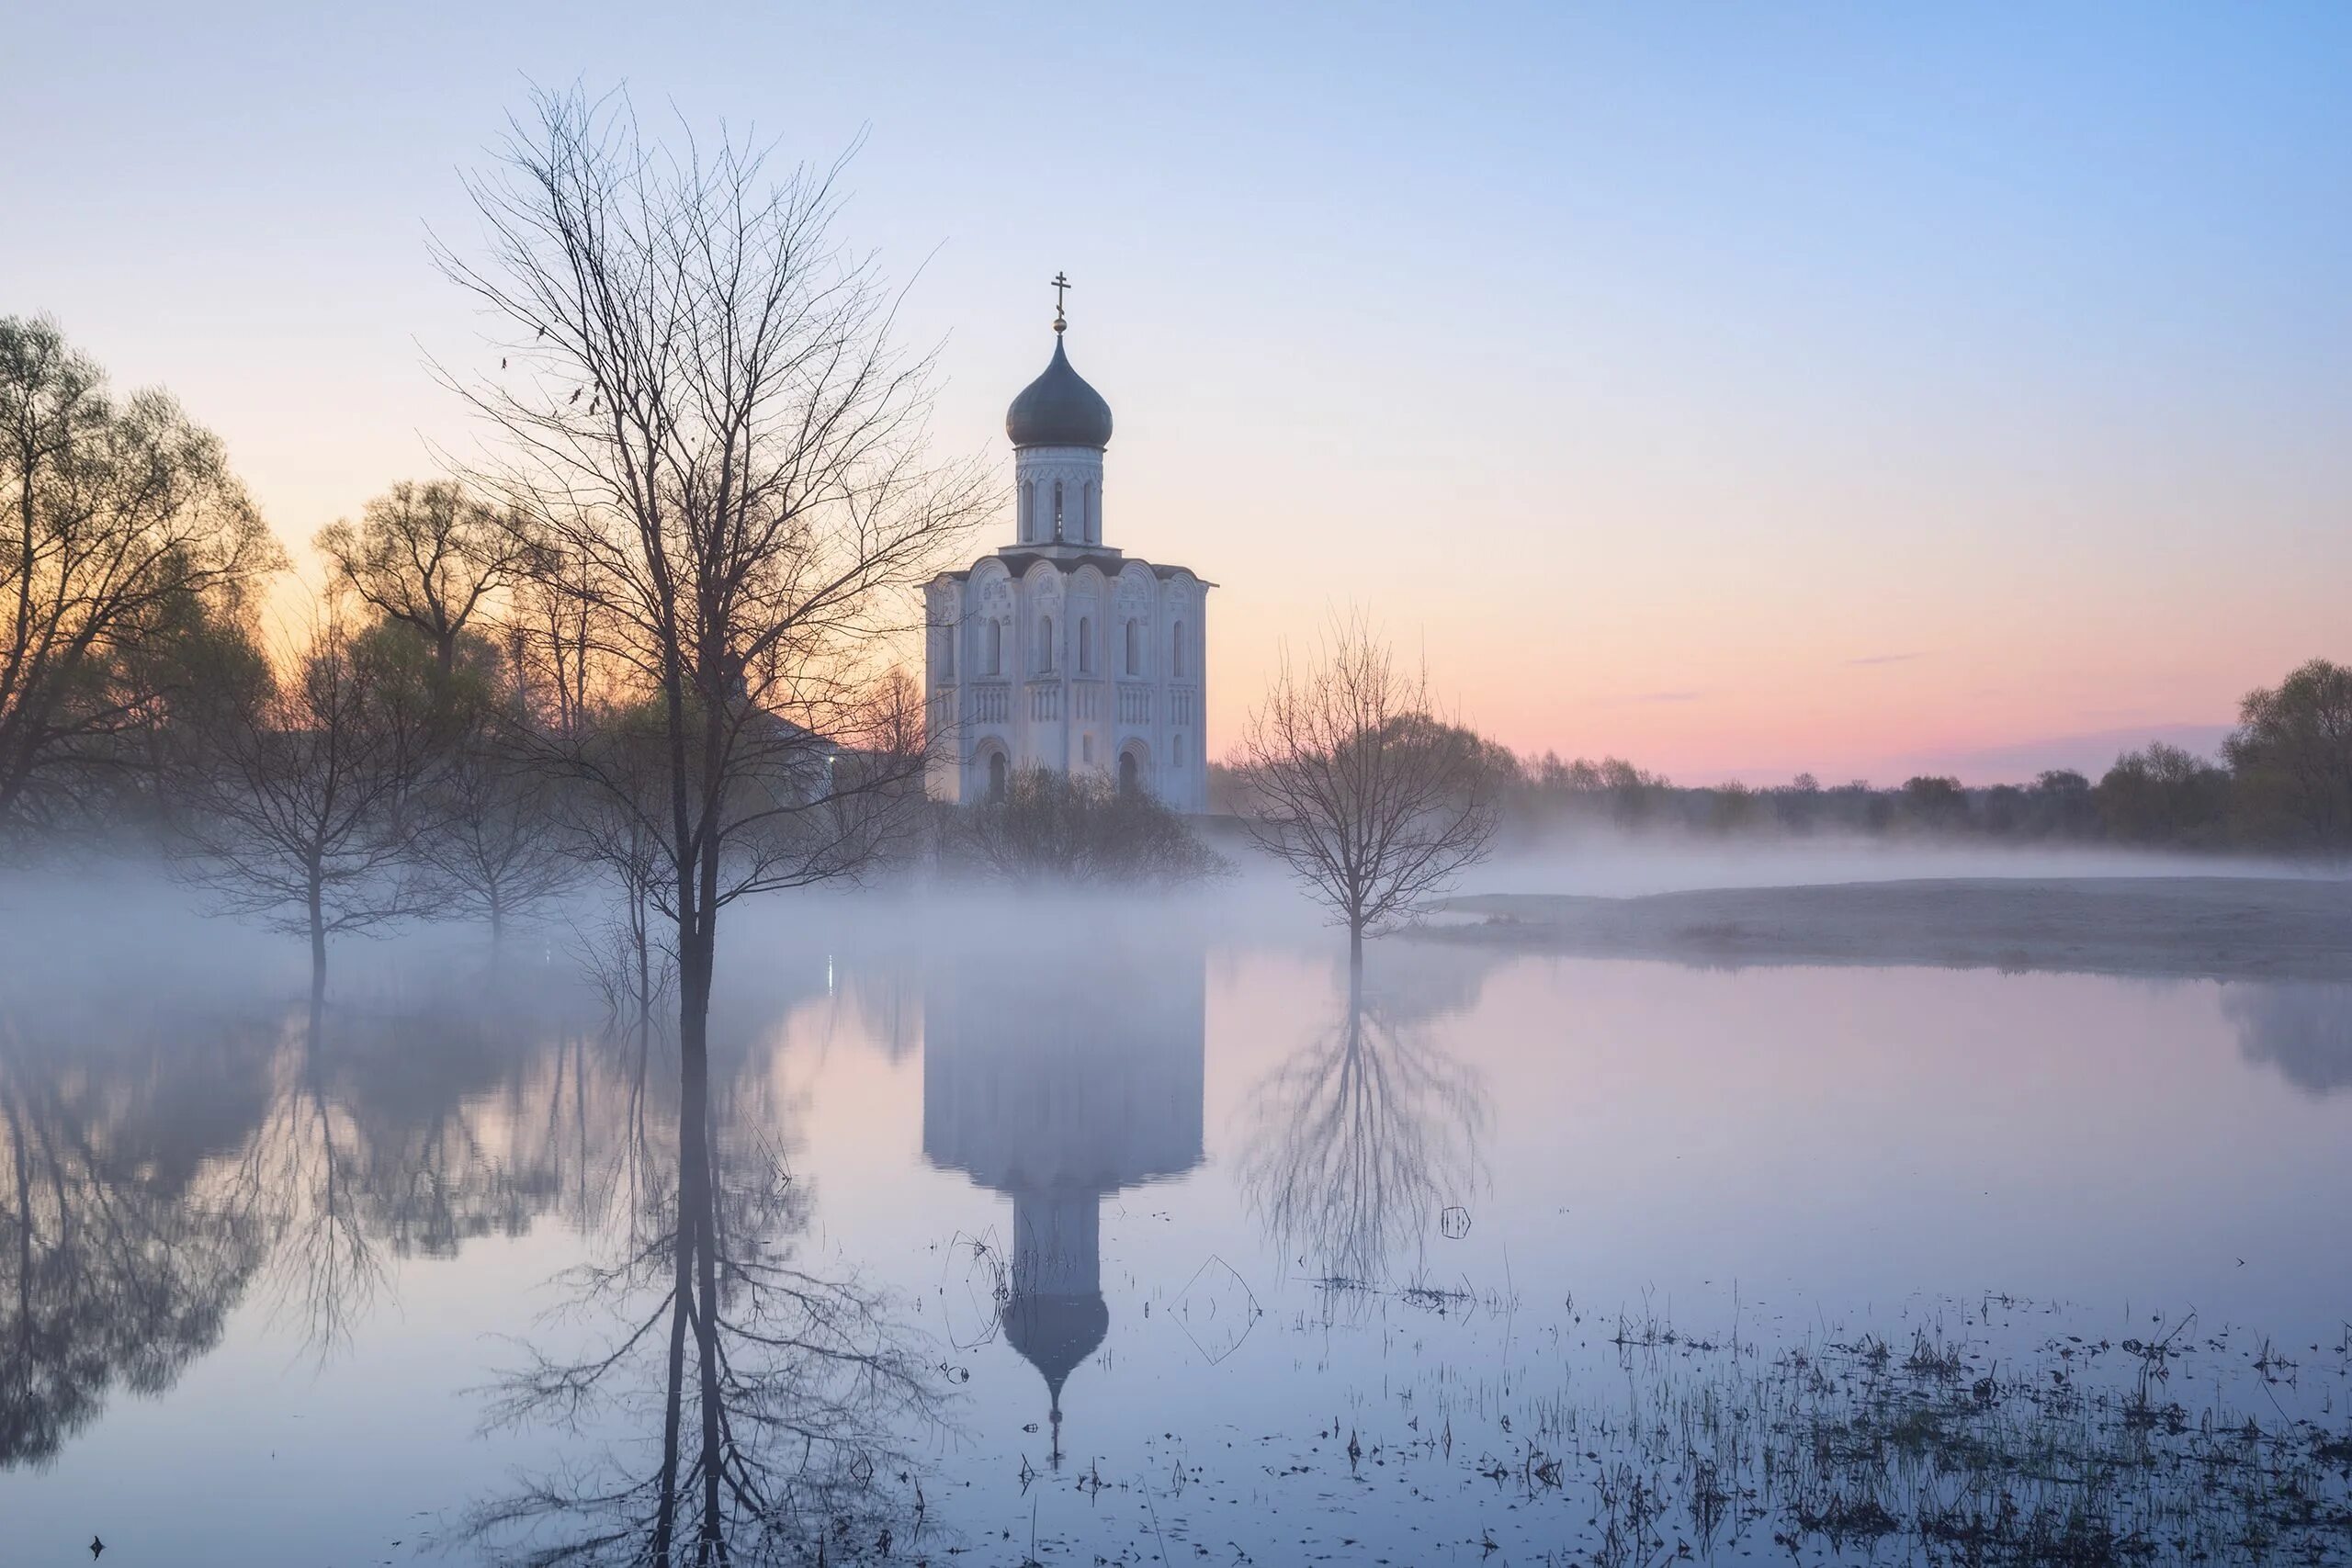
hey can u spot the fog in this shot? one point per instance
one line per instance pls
(117, 921)
(1628, 864)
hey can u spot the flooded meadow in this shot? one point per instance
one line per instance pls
(1087, 1237)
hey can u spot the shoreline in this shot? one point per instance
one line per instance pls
(2224, 928)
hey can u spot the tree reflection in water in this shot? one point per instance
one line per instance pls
(2305, 1030)
(776, 1395)
(1360, 1138)
(160, 1157)
(118, 1263)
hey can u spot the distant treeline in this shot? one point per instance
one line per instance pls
(2283, 785)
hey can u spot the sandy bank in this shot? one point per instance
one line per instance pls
(2221, 926)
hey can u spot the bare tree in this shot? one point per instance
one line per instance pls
(299, 798)
(553, 634)
(707, 419)
(490, 842)
(426, 556)
(124, 525)
(1350, 780)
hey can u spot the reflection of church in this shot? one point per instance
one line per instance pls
(1060, 1086)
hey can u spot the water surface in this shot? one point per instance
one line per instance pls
(1169, 1217)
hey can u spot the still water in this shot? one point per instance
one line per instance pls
(1182, 1250)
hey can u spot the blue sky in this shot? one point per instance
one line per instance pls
(1739, 388)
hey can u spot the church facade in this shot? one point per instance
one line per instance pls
(1059, 652)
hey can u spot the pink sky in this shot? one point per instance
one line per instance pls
(1854, 393)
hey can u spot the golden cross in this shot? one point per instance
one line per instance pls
(1061, 282)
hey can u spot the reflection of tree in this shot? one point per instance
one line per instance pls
(1360, 1138)
(116, 1267)
(408, 1131)
(301, 1169)
(772, 1392)
(2304, 1031)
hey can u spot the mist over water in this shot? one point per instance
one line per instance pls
(1164, 1214)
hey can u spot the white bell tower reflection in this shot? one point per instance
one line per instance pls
(1061, 1086)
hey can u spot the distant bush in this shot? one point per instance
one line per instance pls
(1050, 828)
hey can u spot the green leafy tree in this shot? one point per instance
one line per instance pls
(1934, 803)
(124, 531)
(428, 556)
(2292, 754)
(2164, 796)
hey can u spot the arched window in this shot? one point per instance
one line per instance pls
(1058, 511)
(1093, 516)
(1135, 648)
(1178, 755)
(1130, 774)
(996, 778)
(1085, 646)
(1176, 652)
(1046, 644)
(996, 646)
(948, 653)
(1028, 507)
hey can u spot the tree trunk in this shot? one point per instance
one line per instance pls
(317, 940)
(698, 1232)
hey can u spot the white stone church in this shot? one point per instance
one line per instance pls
(1057, 651)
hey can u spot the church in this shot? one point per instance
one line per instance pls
(1059, 652)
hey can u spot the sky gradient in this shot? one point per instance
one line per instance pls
(1739, 391)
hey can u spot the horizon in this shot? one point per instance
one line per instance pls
(1854, 395)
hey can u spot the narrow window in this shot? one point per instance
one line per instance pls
(996, 777)
(1086, 749)
(1046, 644)
(1028, 507)
(1085, 646)
(1179, 751)
(1176, 653)
(996, 646)
(1135, 648)
(948, 653)
(1058, 511)
(1093, 516)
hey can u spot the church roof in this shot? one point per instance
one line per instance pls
(1058, 409)
(1109, 562)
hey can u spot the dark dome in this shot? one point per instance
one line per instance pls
(1058, 409)
(1054, 1334)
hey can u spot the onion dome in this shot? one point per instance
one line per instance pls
(1058, 409)
(1054, 1334)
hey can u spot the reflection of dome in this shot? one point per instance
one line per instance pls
(1058, 409)
(1054, 1334)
